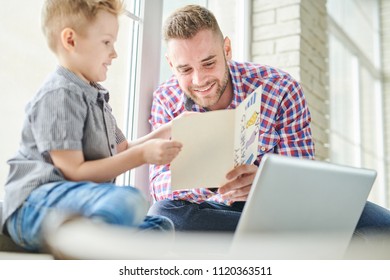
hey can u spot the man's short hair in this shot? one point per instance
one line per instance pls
(75, 14)
(186, 22)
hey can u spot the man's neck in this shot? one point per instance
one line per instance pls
(225, 99)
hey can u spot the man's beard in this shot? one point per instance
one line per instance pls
(209, 102)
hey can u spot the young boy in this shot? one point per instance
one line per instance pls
(71, 148)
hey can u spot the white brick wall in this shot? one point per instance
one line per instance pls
(292, 35)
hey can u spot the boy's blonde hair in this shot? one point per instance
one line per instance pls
(75, 14)
(186, 22)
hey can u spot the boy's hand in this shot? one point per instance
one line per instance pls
(240, 183)
(160, 151)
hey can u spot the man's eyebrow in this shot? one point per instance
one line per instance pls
(208, 58)
(179, 67)
(203, 60)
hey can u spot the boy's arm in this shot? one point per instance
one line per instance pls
(163, 132)
(74, 167)
(122, 146)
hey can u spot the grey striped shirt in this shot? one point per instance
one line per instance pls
(66, 114)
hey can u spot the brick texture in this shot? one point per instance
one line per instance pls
(292, 35)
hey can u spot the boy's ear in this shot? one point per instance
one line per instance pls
(68, 36)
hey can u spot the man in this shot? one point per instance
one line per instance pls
(205, 78)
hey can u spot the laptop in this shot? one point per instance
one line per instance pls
(301, 208)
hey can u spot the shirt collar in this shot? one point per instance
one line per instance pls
(102, 92)
(238, 94)
(95, 90)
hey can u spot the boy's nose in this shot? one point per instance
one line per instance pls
(114, 53)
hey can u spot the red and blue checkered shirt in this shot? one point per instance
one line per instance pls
(284, 122)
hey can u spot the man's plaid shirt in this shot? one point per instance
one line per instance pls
(284, 121)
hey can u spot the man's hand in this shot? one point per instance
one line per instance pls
(240, 183)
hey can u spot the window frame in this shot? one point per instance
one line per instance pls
(144, 78)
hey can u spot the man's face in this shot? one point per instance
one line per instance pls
(200, 65)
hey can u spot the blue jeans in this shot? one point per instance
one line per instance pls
(209, 216)
(206, 216)
(124, 206)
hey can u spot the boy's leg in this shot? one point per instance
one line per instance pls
(124, 206)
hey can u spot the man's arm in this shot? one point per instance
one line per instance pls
(292, 125)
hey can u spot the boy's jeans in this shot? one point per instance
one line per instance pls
(124, 206)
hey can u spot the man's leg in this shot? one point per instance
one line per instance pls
(374, 220)
(207, 216)
(371, 239)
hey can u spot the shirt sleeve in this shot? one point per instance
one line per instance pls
(160, 182)
(57, 121)
(159, 175)
(293, 122)
(119, 136)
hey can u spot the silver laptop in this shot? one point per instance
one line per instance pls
(300, 208)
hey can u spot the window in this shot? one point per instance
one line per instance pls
(126, 75)
(355, 90)
(143, 78)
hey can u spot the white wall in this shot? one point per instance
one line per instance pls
(25, 61)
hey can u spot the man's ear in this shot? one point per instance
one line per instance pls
(68, 38)
(227, 47)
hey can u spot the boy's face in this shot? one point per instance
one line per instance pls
(94, 50)
(200, 66)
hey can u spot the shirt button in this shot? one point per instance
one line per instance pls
(112, 146)
(262, 149)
